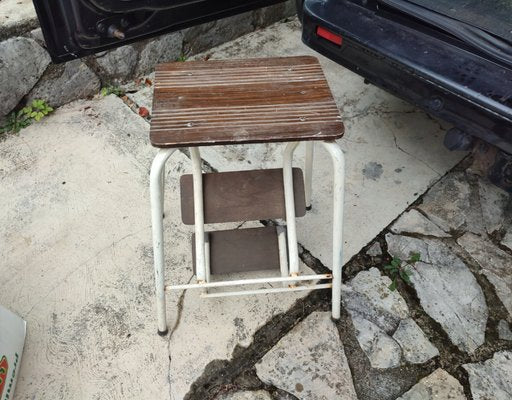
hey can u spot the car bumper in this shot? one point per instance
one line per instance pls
(445, 80)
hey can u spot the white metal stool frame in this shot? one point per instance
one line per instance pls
(289, 268)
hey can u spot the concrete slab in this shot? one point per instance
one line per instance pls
(504, 331)
(383, 324)
(414, 222)
(256, 395)
(446, 288)
(143, 98)
(438, 385)
(394, 152)
(491, 379)
(495, 264)
(76, 258)
(15, 13)
(507, 239)
(309, 362)
(415, 345)
(453, 205)
(77, 263)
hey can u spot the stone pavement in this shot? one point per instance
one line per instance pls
(77, 263)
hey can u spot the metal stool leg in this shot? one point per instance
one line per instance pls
(156, 192)
(293, 251)
(308, 172)
(162, 189)
(338, 160)
(283, 253)
(197, 174)
(207, 258)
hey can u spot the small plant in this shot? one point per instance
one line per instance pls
(17, 120)
(399, 269)
(37, 110)
(106, 90)
(182, 58)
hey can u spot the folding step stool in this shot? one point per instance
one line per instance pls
(206, 103)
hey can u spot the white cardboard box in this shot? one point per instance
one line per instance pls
(12, 338)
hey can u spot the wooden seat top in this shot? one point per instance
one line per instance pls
(201, 103)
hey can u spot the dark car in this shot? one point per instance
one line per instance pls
(452, 58)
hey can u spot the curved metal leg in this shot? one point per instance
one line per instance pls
(338, 160)
(162, 190)
(308, 172)
(156, 192)
(293, 251)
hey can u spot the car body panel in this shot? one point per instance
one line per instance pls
(76, 28)
(494, 16)
(437, 73)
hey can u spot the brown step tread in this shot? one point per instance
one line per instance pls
(206, 103)
(242, 250)
(242, 196)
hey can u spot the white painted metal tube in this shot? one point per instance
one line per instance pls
(242, 282)
(289, 200)
(162, 189)
(338, 160)
(270, 290)
(283, 256)
(207, 256)
(156, 193)
(308, 172)
(207, 259)
(197, 174)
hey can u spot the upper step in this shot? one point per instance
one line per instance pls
(242, 196)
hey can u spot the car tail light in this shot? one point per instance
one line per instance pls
(328, 35)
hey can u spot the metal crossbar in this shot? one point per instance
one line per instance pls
(270, 290)
(254, 281)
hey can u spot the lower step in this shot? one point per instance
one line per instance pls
(242, 250)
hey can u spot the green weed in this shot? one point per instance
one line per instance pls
(110, 89)
(17, 120)
(399, 269)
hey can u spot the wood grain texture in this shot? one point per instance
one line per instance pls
(242, 250)
(242, 196)
(200, 103)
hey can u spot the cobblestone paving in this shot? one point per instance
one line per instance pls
(444, 336)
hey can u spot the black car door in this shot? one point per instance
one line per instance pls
(76, 28)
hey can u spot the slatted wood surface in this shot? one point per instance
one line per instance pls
(201, 103)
